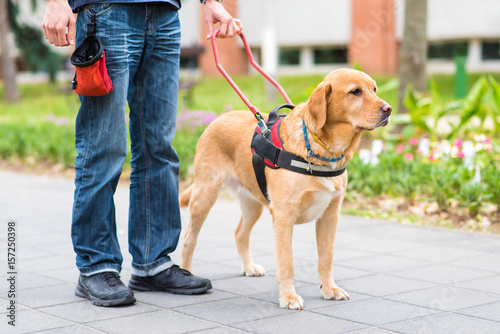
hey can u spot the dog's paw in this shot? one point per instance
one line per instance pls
(334, 293)
(292, 302)
(254, 270)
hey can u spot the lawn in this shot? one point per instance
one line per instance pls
(40, 128)
(39, 131)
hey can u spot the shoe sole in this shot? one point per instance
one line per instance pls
(139, 286)
(82, 293)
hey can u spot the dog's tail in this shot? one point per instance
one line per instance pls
(186, 197)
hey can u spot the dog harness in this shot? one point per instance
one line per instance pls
(267, 149)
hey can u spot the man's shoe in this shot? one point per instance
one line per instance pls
(104, 289)
(173, 280)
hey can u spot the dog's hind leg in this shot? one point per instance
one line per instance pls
(250, 212)
(201, 201)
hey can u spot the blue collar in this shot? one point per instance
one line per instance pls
(310, 152)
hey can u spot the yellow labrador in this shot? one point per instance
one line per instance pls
(342, 106)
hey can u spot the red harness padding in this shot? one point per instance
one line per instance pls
(274, 136)
(268, 151)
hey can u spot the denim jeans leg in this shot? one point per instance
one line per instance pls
(154, 218)
(101, 143)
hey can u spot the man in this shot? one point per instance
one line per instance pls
(141, 40)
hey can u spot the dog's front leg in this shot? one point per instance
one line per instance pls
(283, 230)
(326, 228)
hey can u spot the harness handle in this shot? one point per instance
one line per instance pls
(252, 61)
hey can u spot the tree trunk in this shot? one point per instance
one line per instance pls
(413, 52)
(6, 62)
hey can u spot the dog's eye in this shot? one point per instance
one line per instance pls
(375, 89)
(355, 91)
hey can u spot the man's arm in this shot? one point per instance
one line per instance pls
(216, 13)
(59, 23)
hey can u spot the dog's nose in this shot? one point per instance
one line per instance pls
(386, 108)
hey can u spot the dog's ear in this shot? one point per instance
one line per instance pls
(317, 105)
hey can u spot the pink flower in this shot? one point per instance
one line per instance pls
(458, 142)
(409, 157)
(399, 149)
(413, 141)
(461, 154)
(486, 141)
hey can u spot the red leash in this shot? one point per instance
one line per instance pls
(252, 108)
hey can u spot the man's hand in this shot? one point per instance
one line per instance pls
(59, 23)
(216, 13)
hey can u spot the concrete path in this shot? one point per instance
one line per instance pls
(403, 279)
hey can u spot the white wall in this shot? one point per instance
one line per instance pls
(299, 22)
(190, 22)
(457, 19)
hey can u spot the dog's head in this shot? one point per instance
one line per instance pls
(348, 96)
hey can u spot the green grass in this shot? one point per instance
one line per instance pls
(41, 126)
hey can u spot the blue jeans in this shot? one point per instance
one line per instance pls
(142, 47)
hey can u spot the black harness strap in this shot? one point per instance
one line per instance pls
(265, 149)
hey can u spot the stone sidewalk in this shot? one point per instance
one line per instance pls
(401, 279)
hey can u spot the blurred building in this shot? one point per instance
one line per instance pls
(318, 35)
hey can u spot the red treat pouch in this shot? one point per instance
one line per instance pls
(91, 77)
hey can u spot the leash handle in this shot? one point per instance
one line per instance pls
(252, 61)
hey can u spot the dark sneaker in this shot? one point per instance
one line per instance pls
(104, 289)
(173, 280)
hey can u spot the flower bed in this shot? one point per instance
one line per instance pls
(454, 183)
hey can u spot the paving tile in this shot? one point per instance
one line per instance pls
(27, 280)
(84, 311)
(443, 273)
(431, 235)
(489, 246)
(439, 253)
(210, 252)
(235, 310)
(215, 271)
(446, 323)
(245, 286)
(422, 270)
(5, 303)
(376, 312)
(380, 285)
(486, 311)
(345, 253)
(382, 263)
(300, 322)
(69, 275)
(345, 238)
(372, 330)
(384, 246)
(490, 262)
(446, 298)
(28, 321)
(46, 263)
(220, 330)
(161, 321)
(312, 296)
(75, 329)
(168, 300)
(487, 284)
(27, 253)
(267, 261)
(309, 273)
(48, 296)
(46, 239)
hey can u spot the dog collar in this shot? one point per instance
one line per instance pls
(310, 152)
